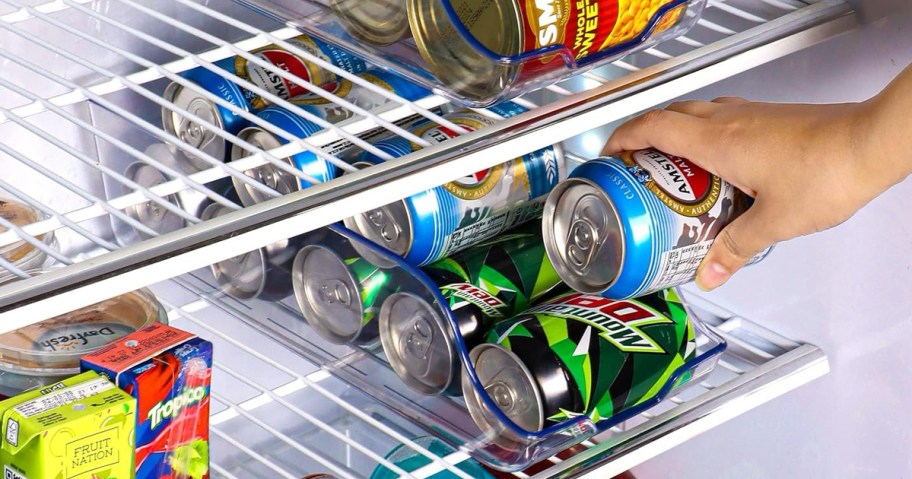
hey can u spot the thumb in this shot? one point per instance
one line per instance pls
(735, 245)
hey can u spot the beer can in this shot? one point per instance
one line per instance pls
(379, 22)
(22, 254)
(486, 283)
(464, 46)
(436, 223)
(48, 351)
(264, 273)
(578, 355)
(340, 292)
(308, 162)
(154, 215)
(194, 102)
(624, 227)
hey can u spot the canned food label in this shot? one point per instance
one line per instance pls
(482, 223)
(683, 186)
(489, 304)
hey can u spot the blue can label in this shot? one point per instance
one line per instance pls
(364, 98)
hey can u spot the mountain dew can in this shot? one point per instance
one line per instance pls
(340, 292)
(579, 355)
(486, 283)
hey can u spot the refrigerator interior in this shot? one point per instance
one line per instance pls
(80, 100)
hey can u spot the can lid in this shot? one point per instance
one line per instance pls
(267, 174)
(189, 131)
(389, 226)
(328, 294)
(151, 214)
(583, 235)
(418, 343)
(243, 276)
(452, 59)
(512, 387)
(380, 22)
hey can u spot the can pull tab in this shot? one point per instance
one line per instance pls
(381, 223)
(503, 395)
(190, 131)
(335, 291)
(417, 340)
(582, 243)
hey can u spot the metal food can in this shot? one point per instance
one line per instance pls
(579, 355)
(264, 273)
(48, 351)
(379, 22)
(453, 43)
(22, 254)
(628, 226)
(154, 215)
(340, 292)
(436, 223)
(194, 101)
(308, 162)
(482, 285)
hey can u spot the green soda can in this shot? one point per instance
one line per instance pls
(489, 282)
(579, 355)
(340, 292)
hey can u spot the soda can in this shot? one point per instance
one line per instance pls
(486, 283)
(264, 273)
(194, 102)
(22, 254)
(378, 22)
(453, 45)
(154, 215)
(628, 226)
(340, 292)
(308, 162)
(578, 355)
(436, 223)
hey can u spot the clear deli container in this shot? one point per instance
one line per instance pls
(480, 428)
(481, 52)
(22, 254)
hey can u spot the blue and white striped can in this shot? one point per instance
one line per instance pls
(629, 226)
(436, 223)
(194, 102)
(309, 163)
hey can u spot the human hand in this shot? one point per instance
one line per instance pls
(809, 167)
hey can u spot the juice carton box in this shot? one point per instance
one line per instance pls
(79, 428)
(168, 371)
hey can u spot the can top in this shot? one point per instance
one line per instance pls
(418, 343)
(453, 60)
(583, 235)
(243, 276)
(267, 174)
(186, 129)
(510, 384)
(389, 226)
(153, 215)
(328, 294)
(380, 22)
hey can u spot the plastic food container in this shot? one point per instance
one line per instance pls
(484, 434)
(46, 352)
(481, 52)
(22, 254)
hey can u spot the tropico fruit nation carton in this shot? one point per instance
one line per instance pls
(79, 428)
(169, 372)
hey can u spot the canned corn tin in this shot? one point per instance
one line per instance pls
(196, 103)
(264, 273)
(625, 227)
(193, 201)
(486, 283)
(308, 162)
(437, 223)
(379, 22)
(21, 253)
(513, 27)
(48, 351)
(340, 292)
(579, 355)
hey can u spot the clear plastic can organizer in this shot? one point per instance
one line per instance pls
(512, 391)
(481, 52)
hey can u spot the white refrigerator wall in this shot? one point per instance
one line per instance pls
(848, 290)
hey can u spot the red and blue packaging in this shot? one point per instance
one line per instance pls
(169, 372)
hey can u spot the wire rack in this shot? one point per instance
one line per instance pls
(81, 98)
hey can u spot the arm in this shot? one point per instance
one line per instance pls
(809, 167)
